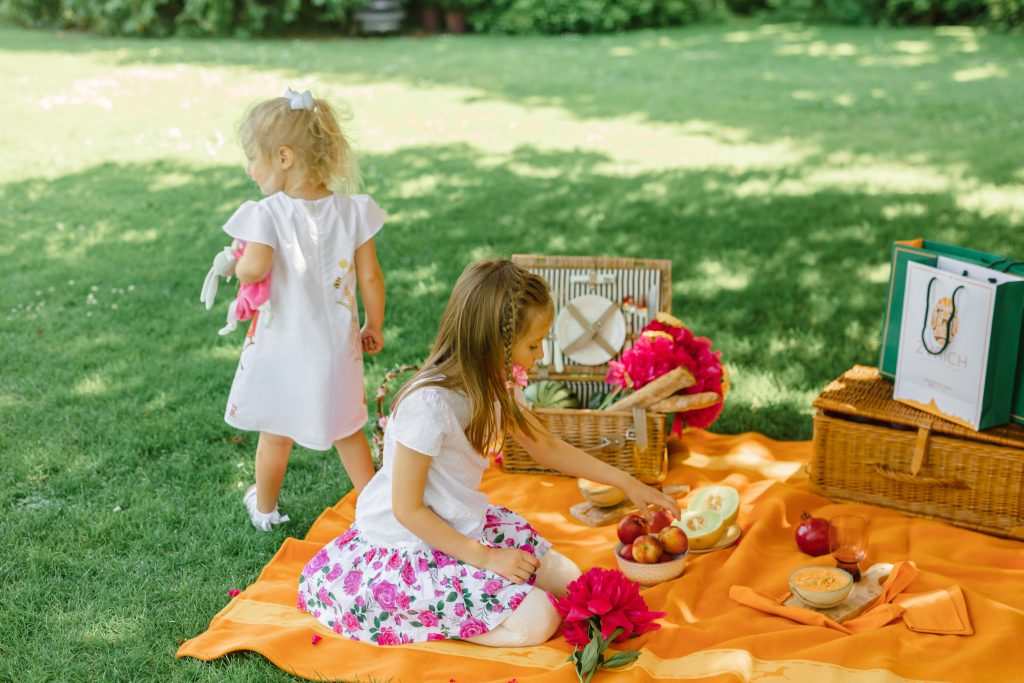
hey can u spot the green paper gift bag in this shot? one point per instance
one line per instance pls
(928, 253)
(960, 340)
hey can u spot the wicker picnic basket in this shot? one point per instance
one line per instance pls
(633, 441)
(870, 449)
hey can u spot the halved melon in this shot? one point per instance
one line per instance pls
(601, 495)
(724, 500)
(703, 528)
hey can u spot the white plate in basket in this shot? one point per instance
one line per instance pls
(591, 307)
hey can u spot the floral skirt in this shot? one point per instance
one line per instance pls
(391, 596)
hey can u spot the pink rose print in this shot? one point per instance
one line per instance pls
(471, 627)
(394, 561)
(408, 574)
(384, 593)
(497, 608)
(324, 597)
(387, 636)
(334, 573)
(435, 636)
(342, 540)
(402, 600)
(300, 603)
(336, 626)
(443, 560)
(318, 561)
(456, 584)
(438, 592)
(350, 622)
(510, 542)
(360, 601)
(423, 565)
(460, 609)
(428, 618)
(478, 575)
(527, 548)
(514, 602)
(378, 565)
(492, 586)
(353, 582)
(406, 639)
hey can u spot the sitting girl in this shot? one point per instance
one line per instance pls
(428, 557)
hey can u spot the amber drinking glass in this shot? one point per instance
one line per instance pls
(848, 542)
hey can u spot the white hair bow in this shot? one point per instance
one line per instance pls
(302, 100)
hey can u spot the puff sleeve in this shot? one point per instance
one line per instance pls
(370, 218)
(423, 421)
(252, 222)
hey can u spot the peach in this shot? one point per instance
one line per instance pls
(647, 549)
(626, 552)
(630, 527)
(660, 519)
(674, 540)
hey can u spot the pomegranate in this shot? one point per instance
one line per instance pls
(812, 535)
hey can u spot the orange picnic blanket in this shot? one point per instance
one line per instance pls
(705, 636)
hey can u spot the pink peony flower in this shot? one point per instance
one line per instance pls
(609, 597)
(666, 344)
(233, 592)
(316, 638)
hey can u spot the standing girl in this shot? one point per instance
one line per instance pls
(428, 557)
(300, 375)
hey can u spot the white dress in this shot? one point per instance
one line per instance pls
(301, 374)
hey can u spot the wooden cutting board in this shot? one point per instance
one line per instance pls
(861, 596)
(595, 516)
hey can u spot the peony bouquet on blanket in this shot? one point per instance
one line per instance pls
(664, 349)
(601, 607)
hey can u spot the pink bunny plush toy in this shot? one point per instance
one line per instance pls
(252, 298)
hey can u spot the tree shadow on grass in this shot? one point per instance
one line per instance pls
(790, 288)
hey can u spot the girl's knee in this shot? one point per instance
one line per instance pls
(556, 572)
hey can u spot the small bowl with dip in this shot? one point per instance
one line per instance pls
(820, 587)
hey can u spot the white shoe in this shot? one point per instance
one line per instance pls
(264, 521)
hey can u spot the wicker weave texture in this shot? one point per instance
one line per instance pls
(601, 433)
(608, 436)
(864, 453)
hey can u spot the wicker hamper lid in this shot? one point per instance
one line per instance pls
(862, 393)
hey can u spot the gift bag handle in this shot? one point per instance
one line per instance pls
(949, 323)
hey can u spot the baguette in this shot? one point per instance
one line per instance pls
(656, 390)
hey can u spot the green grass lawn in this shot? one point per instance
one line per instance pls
(773, 164)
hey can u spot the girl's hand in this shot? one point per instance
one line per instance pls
(515, 565)
(645, 496)
(372, 339)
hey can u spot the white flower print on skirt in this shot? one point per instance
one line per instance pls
(392, 596)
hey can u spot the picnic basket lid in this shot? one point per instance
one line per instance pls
(863, 393)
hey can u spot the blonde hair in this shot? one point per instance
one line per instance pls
(322, 151)
(492, 305)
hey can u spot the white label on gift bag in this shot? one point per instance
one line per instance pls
(944, 342)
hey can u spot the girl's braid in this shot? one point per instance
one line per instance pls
(510, 318)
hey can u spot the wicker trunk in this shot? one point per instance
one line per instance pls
(871, 449)
(633, 441)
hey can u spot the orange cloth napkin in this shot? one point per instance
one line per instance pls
(942, 611)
